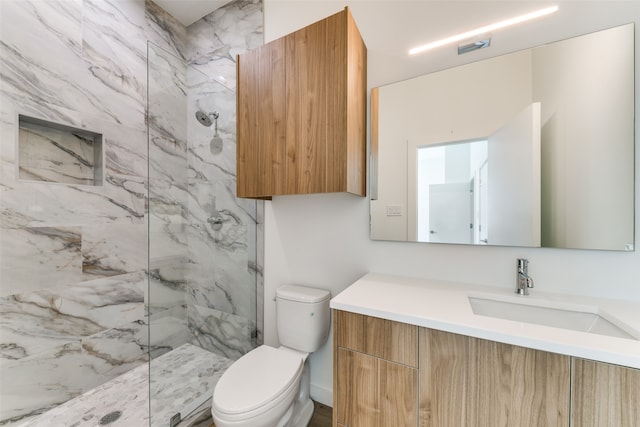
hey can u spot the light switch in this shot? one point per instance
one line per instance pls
(394, 210)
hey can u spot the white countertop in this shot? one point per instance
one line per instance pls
(445, 306)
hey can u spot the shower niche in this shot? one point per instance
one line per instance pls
(55, 153)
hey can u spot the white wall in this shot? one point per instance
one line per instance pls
(323, 240)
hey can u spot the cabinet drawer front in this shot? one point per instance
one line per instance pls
(386, 339)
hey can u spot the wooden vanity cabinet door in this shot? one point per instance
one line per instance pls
(372, 391)
(604, 395)
(357, 389)
(468, 381)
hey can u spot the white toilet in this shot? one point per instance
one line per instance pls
(269, 387)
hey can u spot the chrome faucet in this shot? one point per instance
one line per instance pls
(523, 280)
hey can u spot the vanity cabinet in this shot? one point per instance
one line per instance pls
(375, 375)
(301, 112)
(394, 374)
(604, 395)
(468, 381)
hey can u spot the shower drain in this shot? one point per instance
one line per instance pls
(110, 417)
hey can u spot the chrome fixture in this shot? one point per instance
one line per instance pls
(205, 118)
(523, 280)
(215, 146)
(208, 119)
(216, 221)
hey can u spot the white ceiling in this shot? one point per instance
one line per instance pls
(189, 11)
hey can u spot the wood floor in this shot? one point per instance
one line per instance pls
(322, 416)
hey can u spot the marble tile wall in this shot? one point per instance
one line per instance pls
(74, 301)
(225, 266)
(204, 241)
(73, 257)
(82, 63)
(51, 154)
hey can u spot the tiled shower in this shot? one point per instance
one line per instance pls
(121, 240)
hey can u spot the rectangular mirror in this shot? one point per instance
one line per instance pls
(531, 149)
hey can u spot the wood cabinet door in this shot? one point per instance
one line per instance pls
(260, 150)
(358, 396)
(373, 392)
(375, 372)
(316, 107)
(467, 381)
(604, 395)
(301, 112)
(398, 395)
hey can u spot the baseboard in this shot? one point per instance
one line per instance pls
(321, 395)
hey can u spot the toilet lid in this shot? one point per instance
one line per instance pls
(256, 379)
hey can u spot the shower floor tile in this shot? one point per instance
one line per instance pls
(179, 379)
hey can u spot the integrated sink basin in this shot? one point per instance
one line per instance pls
(574, 318)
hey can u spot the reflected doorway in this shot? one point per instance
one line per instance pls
(448, 191)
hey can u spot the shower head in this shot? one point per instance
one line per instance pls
(205, 118)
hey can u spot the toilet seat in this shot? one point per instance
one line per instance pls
(257, 382)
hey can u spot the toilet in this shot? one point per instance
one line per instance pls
(269, 386)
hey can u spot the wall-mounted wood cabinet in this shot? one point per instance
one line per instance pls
(466, 381)
(301, 112)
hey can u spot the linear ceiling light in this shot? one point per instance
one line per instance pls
(485, 29)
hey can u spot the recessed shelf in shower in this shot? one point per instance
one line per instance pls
(57, 153)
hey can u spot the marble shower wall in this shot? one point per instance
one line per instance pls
(224, 268)
(204, 267)
(73, 257)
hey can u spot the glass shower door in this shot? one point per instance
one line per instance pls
(202, 241)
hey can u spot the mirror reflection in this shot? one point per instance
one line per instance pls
(534, 148)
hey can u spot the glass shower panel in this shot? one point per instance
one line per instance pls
(202, 240)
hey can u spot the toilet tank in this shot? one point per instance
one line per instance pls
(303, 317)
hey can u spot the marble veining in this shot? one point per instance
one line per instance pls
(40, 320)
(53, 155)
(220, 296)
(220, 332)
(76, 308)
(198, 370)
(165, 31)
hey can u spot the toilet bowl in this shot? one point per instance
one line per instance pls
(258, 388)
(269, 386)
